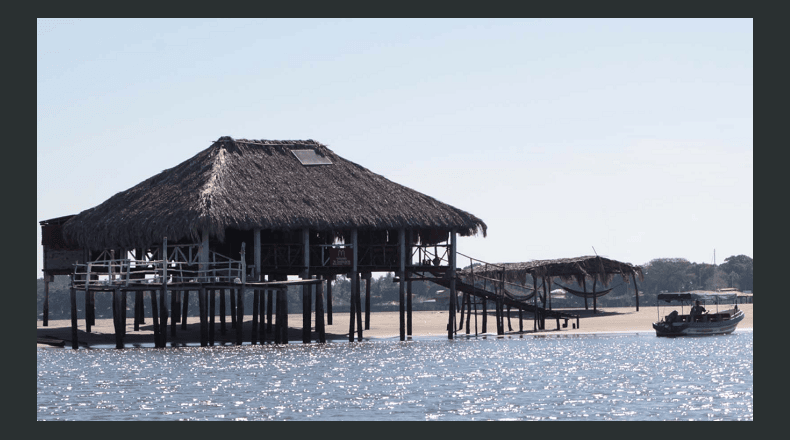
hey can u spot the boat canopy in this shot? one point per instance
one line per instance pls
(707, 297)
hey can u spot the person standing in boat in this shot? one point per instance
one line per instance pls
(697, 310)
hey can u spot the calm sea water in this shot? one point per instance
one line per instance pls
(587, 377)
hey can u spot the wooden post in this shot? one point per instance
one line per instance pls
(262, 314)
(212, 309)
(453, 298)
(175, 312)
(329, 299)
(521, 320)
(117, 315)
(185, 311)
(73, 296)
(284, 327)
(409, 291)
(367, 277)
(485, 315)
(545, 294)
(355, 285)
(239, 315)
(509, 327)
(256, 294)
(269, 308)
(232, 296)
(358, 307)
(278, 333)
(402, 283)
(319, 313)
(155, 319)
(584, 288)
(307, 310)
(46, 298)
(595, 297)
(535, 302)
(123, 312)
(139, 316)
(88, 322)
(636, 291)
(222, 312)
(163, 297)
(203, 306)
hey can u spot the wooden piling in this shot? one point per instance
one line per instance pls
(402, 283)
(139, 315)
(453, 295)
(239, 315)
(484, 324)
(408, 306)
(360, 324)
(211, 312)
(262, 314)
(269, 309)
(203, 306)
(468, 312)
(307, 311)
(222, 312)
(184, 310)
(117, 317)
(46, 299)
(329, 299)
(175, 312)
(367, 277)
(155, 319)
(232, 308)
(163, 316)
(87, 313)
(509, 327)
(256, 295)
(73, 297)
(352, 309)
(284, 327)
(319, 313)
(278, 334)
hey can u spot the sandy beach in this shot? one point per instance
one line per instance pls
(383, 325)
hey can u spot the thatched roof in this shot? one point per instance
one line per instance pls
(571, 270)
(246, 184)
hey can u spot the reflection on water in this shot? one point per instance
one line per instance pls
(613, 377)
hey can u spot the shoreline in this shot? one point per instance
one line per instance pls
(383, 326)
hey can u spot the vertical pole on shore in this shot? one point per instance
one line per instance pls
(636, 292)
(319, 313)
(73, 297)
(402, 283)
(212, 299)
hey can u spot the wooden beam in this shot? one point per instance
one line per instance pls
(402, 283)
(211, 313)
(306, 296)
(319, 313)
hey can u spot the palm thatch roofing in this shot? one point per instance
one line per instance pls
(569, 270)
(246, 184)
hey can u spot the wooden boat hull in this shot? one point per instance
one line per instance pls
(710, 328)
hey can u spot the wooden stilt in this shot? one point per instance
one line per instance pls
(401, 284)
(468, 312)
(352, 309)
(239, 315)
(155, 319)
(453, 294)
(269, 309)
(535, 303)
(463, 310)
(73, 297)
(87, 312)
(284, 327)
(92, 309)
(118, 313)
(184, 310)
(595, 297)
(329, 299)
(485, 315)
(636, 292)
(278, 333)
(138, 309)
(509, 327)
(124, 295)
(475, 304)
(360, 324)
(367, 277)
(222, 312)
(307, 312)
(319, 313)
(175, 305)
(256, 297)
(408, 306)
(163, 317)
(203, 306)
(545, 294)
(520, 320)
(175, 311)
(212, 300)
(584, 289)
(232, 308)
(45, 312)
(262, 314)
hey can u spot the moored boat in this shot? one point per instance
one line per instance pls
(720, 322)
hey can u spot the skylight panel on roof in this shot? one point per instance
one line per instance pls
(310, 157)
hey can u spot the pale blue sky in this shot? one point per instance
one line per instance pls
(631, 136)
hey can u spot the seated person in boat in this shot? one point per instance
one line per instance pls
(696, 311)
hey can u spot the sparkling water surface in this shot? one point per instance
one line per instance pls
(630, 376)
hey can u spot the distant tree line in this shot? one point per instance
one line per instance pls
(661, 275)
